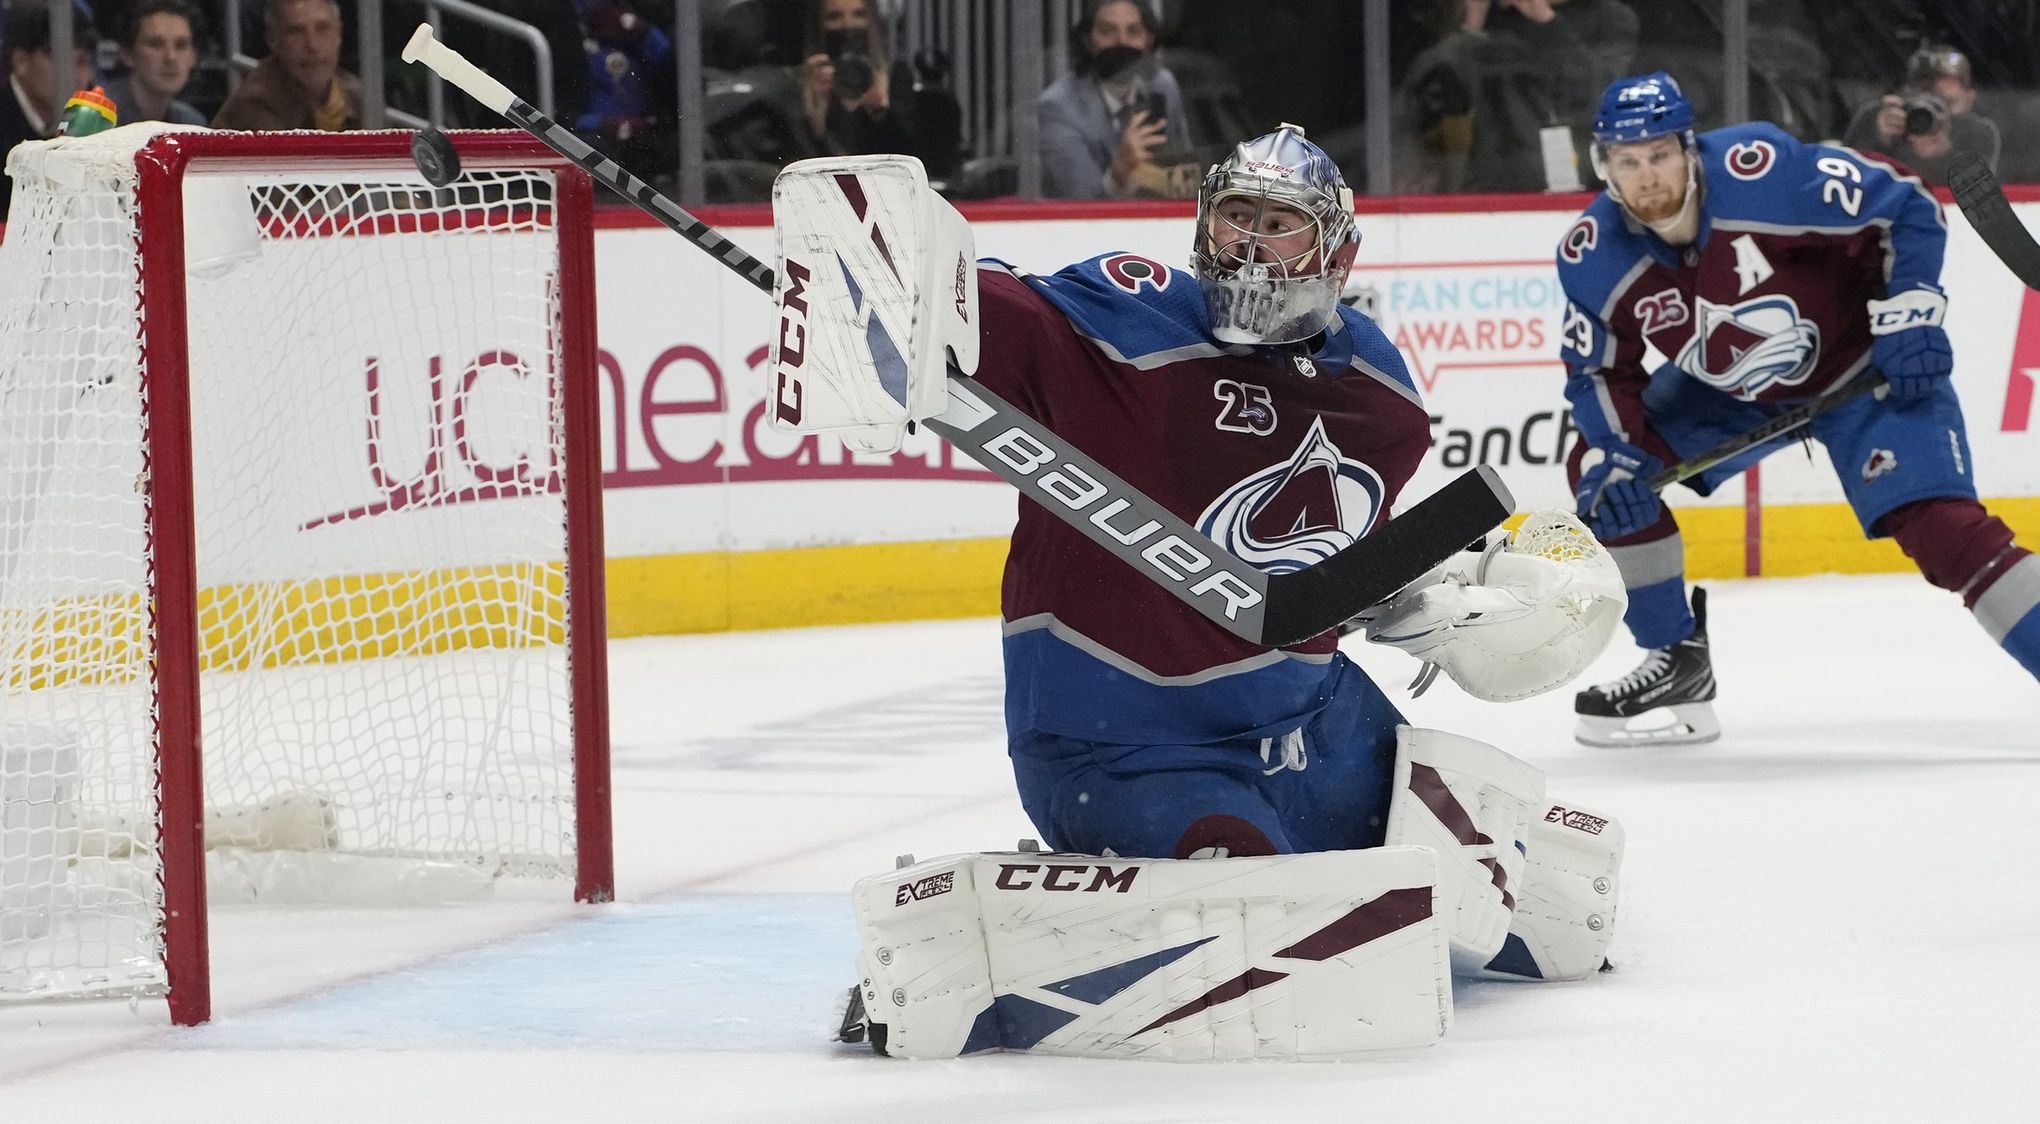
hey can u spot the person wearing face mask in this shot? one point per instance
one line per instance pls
(857, 99)
(1109, 128)
(1773, 273)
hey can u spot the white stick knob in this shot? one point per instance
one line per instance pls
(447, 63)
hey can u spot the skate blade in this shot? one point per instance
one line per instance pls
(1684, 724)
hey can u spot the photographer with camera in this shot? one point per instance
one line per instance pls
(1923, 122)
(857, 100)
(1116, 127)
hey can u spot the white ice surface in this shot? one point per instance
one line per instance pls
(1828, 915)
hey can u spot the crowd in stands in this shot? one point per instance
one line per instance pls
(146, 58)
(1489, 95)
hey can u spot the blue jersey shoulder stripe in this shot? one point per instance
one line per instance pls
(1375, 356)
(1138, 311)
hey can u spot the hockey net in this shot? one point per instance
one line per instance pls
(297, 463)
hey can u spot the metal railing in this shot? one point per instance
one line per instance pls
(63, 34)
(435, 13)
(369, 31)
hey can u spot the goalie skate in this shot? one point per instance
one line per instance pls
(1667, 700)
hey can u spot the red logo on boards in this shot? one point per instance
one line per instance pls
(2018, 416)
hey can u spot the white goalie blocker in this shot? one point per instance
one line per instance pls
(1525, 616)
(876, 291)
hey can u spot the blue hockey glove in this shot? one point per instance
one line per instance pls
(1909, 345)
(1614, 496)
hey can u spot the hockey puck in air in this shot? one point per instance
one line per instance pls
(436, 158)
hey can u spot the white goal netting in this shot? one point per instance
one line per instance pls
(378, 481)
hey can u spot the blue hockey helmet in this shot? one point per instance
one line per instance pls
(1268, 288)
(1642, 107)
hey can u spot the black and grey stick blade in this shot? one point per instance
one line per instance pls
(1983, 203)
(1307, 602)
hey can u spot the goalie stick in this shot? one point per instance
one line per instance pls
(1273, 610)
(1984, 204)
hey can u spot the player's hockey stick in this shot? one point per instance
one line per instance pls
(1784, 423)
(1267, 609)
(1983, 202)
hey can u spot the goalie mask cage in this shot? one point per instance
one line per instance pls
(300, 538)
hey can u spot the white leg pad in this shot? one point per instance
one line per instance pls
(923, 966)
(1473, 804)
(1565, 915)
(1293, 957)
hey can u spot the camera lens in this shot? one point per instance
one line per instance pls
(853, 76)
(1919, 120)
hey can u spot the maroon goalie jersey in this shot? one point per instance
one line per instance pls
(1280, 457)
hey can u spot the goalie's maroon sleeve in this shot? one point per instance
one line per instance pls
(1281, 458)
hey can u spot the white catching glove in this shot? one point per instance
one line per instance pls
(1524, 616)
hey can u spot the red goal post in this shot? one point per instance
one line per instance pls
(299, 462)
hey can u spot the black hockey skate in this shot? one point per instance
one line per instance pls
(1666, 701)
(856, 1026)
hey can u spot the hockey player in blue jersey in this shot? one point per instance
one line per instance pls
(1771, 272)
(1277, 421)
(1148, 743)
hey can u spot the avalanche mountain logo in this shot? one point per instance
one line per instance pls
(1749, 347)
(1296, 514)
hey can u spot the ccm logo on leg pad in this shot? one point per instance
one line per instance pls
(1059, 876)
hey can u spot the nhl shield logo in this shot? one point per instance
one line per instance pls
(1749, 347)
(1296, 514)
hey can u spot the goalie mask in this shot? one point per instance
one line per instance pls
(1275, 239)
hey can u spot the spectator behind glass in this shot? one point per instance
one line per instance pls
(857, 100)
(625, 50)
(1924, 121)
(300, 85)
(159, 47)
(1608, 30)
(1115, 126)
(1471, 107)
(26, 109)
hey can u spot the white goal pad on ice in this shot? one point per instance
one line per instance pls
(297, 462)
